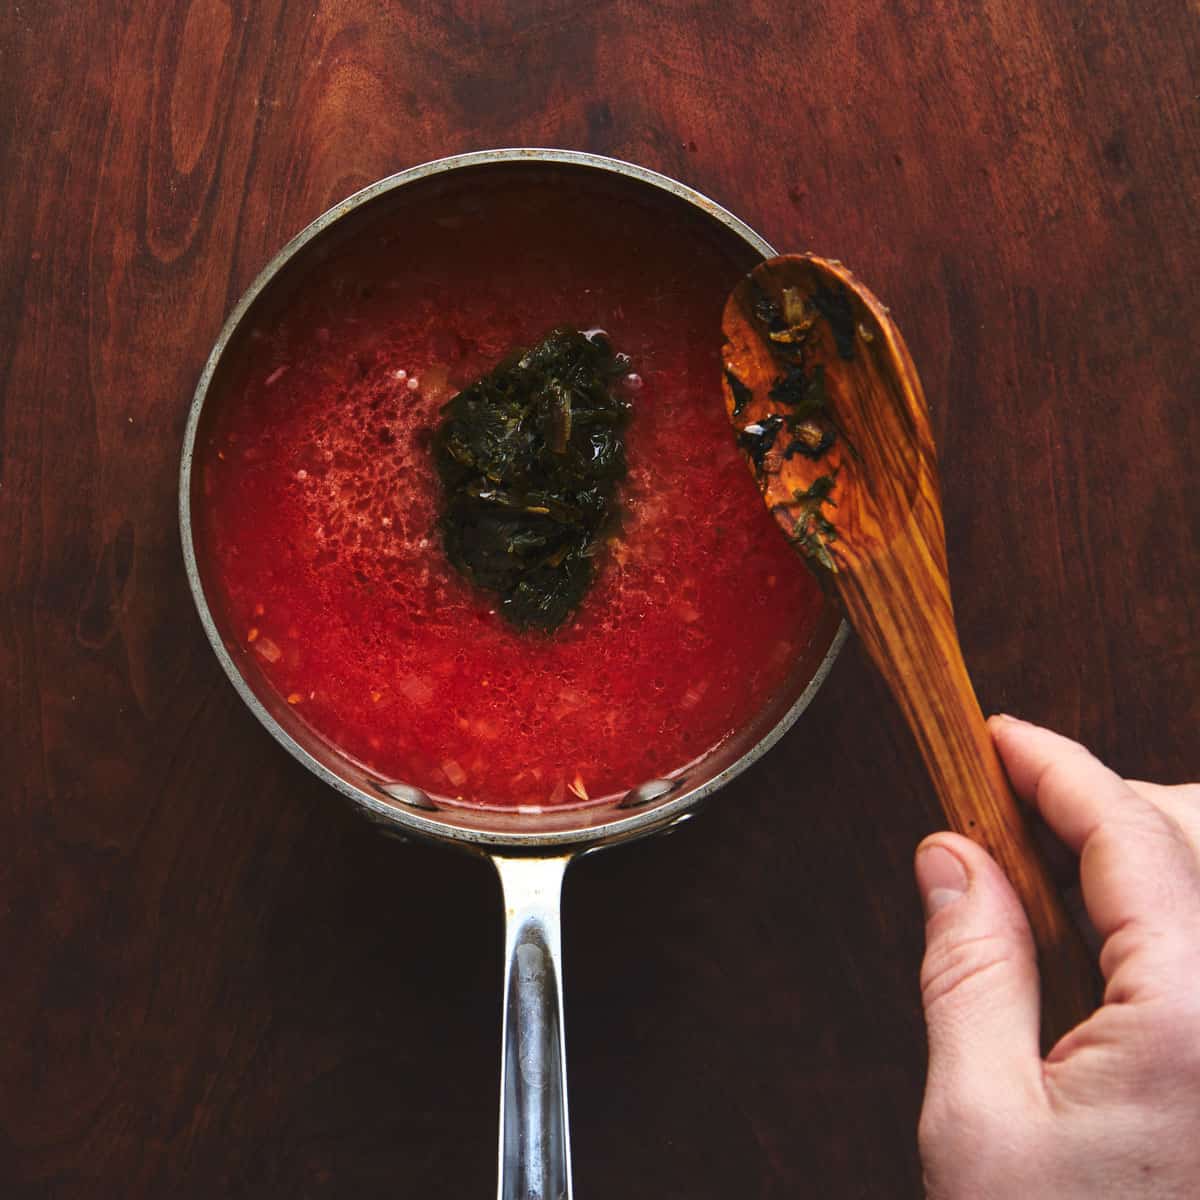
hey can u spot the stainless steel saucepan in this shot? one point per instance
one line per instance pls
(530, 851)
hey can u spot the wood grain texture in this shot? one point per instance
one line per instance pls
(851, 478)
(216, 981)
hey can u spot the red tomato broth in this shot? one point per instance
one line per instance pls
(321, 499)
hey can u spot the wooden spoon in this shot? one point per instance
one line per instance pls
(828, 407)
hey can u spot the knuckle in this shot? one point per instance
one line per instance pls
(949, 969)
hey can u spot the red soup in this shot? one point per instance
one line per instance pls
(320, 505)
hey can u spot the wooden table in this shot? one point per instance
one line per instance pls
(216, 980)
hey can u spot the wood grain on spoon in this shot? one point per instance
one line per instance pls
(829, 408)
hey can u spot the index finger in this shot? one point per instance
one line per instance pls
(1140, 873)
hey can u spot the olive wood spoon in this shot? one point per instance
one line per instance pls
(829, 409)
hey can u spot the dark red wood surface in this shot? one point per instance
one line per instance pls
(214, 979)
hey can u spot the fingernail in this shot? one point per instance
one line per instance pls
(1010, 718)
(941, 878)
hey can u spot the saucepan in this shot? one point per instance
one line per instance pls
(530, 849)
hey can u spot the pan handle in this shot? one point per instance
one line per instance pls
(535, 1139)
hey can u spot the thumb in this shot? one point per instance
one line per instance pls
(979, 980)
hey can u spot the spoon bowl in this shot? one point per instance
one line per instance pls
(835, 370)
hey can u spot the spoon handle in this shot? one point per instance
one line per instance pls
(913, 641)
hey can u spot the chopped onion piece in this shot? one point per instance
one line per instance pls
(268, 649)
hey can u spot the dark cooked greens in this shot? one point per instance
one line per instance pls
(530, 457)
(813, 530)
(833, 303)
(758, 437)
(742, 395)
(789, 322)
(810, 422)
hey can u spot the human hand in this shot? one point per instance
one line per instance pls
(1114, 1108)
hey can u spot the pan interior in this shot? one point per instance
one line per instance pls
(375, 214)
